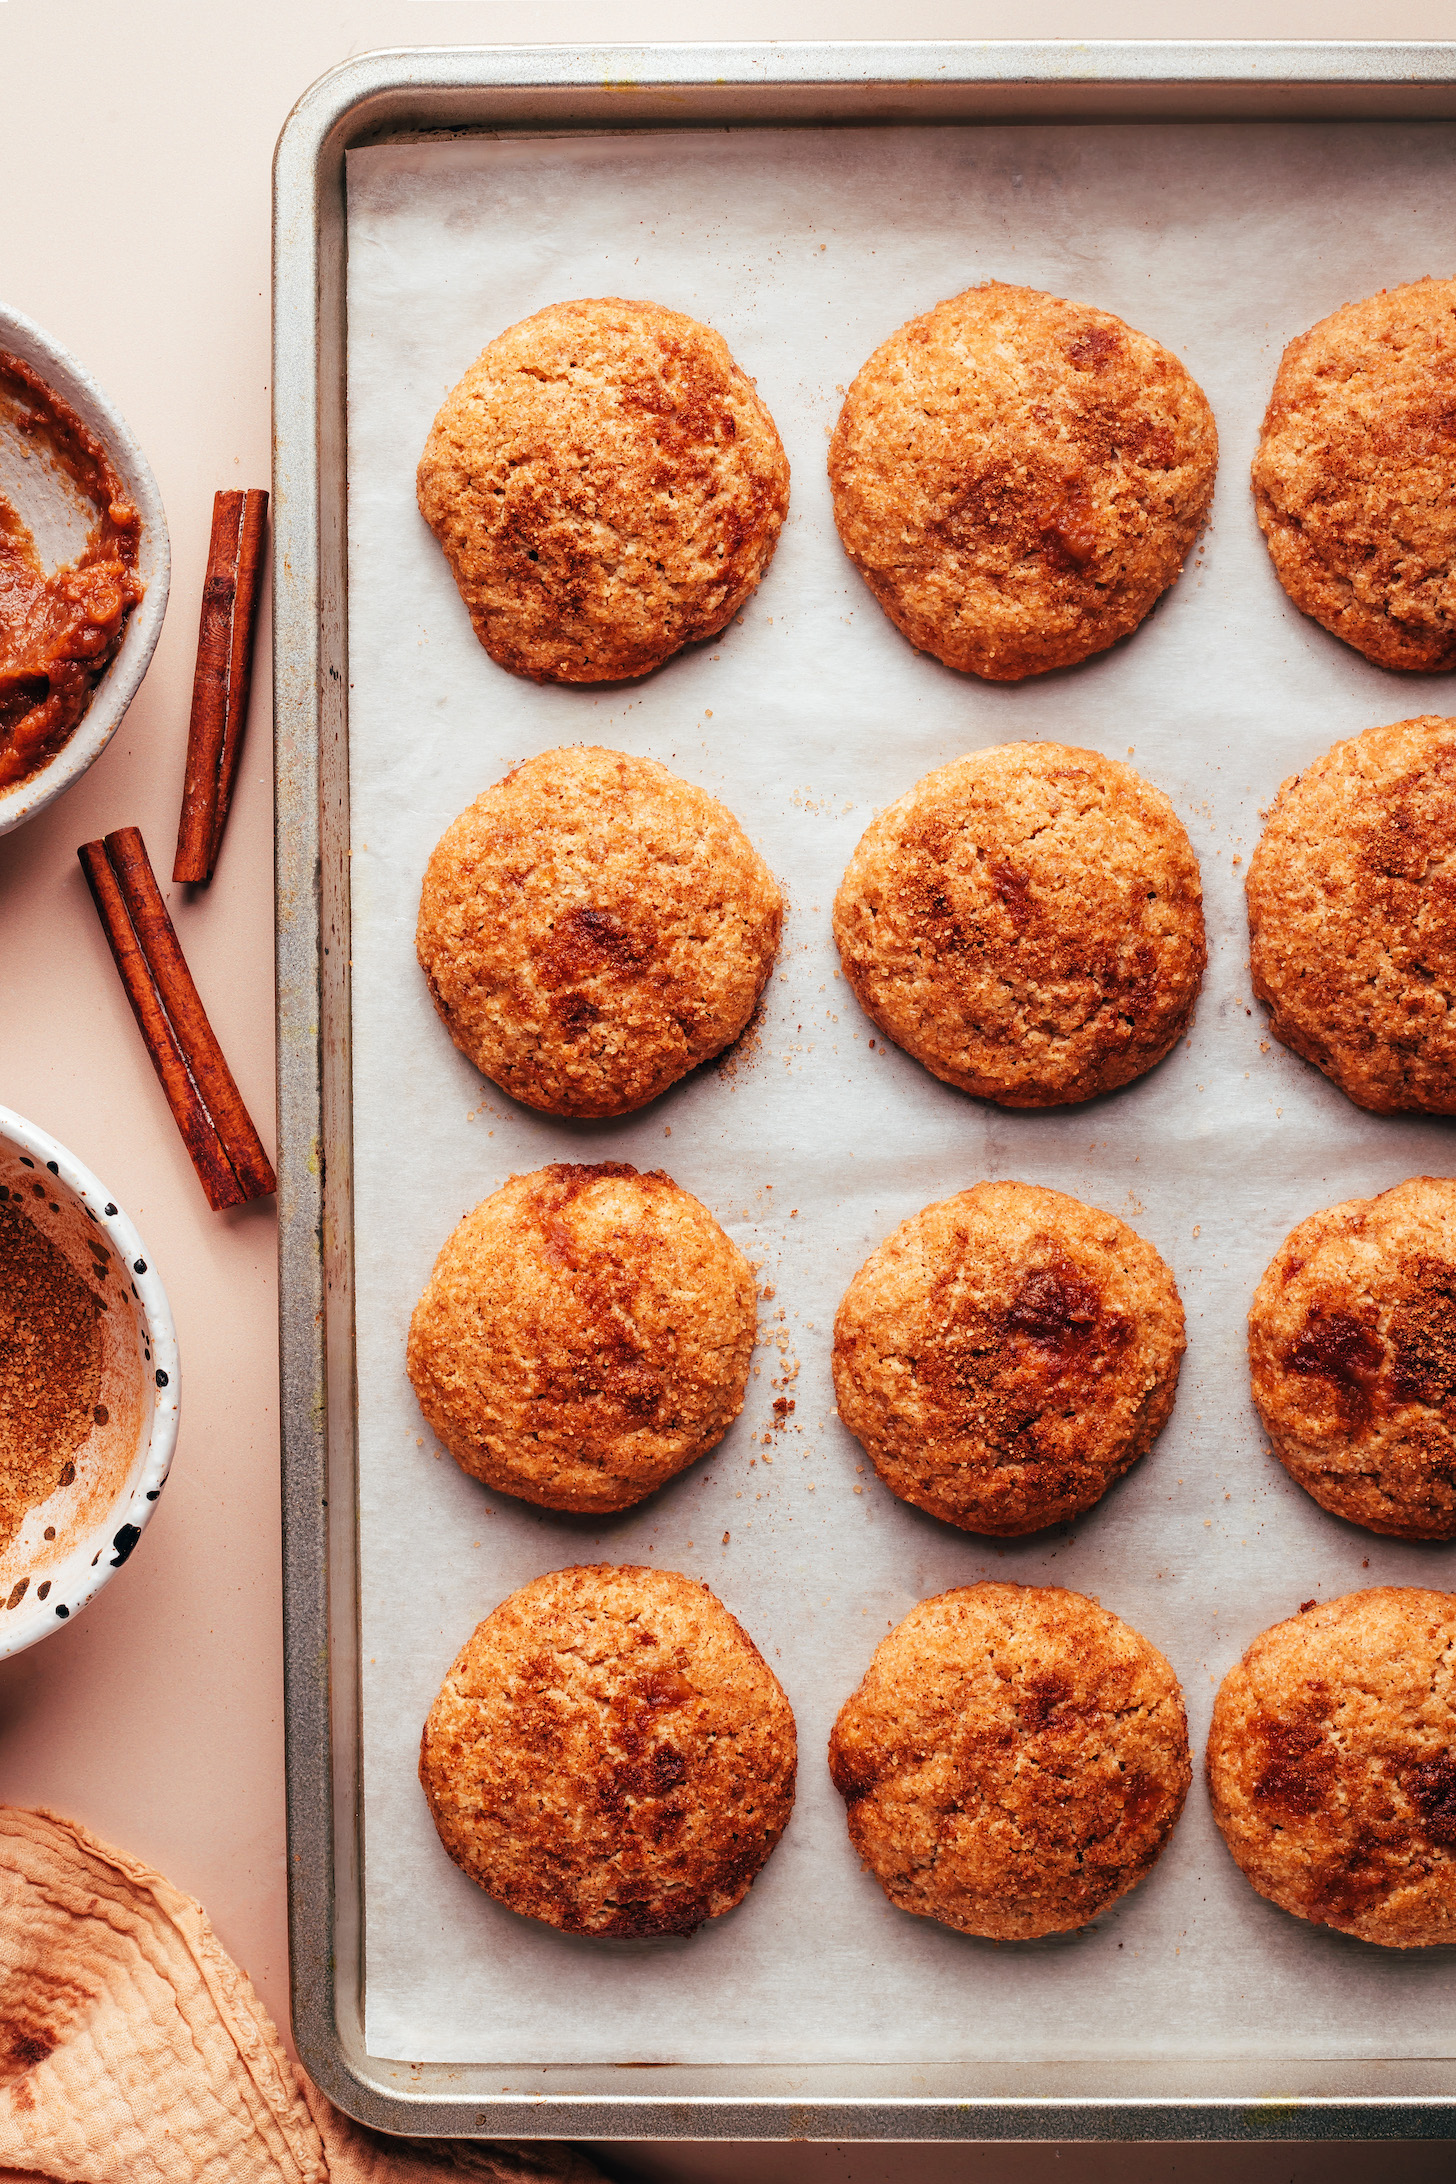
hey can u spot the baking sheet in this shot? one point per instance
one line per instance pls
(806, 248)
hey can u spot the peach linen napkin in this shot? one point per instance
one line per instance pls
(134, 2051)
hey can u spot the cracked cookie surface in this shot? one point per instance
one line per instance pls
(607, 487)
(1352, 916)
(1028, 923)
(1355, 478)
(1352, 1353)
(1014, 1760)
(1332, 1765)
(592, 928)
(611, 1753)
(1006, 1355)
(585, 1335)
(1019, 478)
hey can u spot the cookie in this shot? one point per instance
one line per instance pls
(1028, 923)
(1007, 1354)
(1352, 916)
(1332, 1765)
(1355, 478)
(1018, 479)
(607, 487)
(585, 1335)
(1352, 1351)
(592, 928)
(610, 1753)
(1013, 1762)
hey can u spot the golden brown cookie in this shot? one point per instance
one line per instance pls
(1018, 479)
(592, 928)
(1352, 916)
(607, 487)
(1332, 1765)
(1355, 478)
(1028, 923)
(585, 1335)
(1352, 1349)
(1007, 1354)
(1014, 1760)
(611, 1753)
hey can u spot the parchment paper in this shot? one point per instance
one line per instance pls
(806, 248)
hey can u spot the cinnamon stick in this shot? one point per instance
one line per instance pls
(213, 1167)
(215, 1125)
(221, 680)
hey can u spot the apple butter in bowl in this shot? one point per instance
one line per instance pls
(60, 629)
(83, 569)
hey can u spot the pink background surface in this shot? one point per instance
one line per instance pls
(140, 240)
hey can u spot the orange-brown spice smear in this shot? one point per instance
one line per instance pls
(50, 1365)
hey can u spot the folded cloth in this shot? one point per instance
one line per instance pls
(134, 2051)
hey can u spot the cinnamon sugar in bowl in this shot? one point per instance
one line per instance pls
(88, 1385)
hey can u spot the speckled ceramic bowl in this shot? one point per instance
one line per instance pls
(59, 519)
(68, 1545)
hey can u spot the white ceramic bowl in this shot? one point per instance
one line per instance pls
(59, 521)
(96, 1519)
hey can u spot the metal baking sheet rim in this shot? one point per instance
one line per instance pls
(444, 90)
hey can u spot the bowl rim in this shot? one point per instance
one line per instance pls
(122, 679)
(78, 1580)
